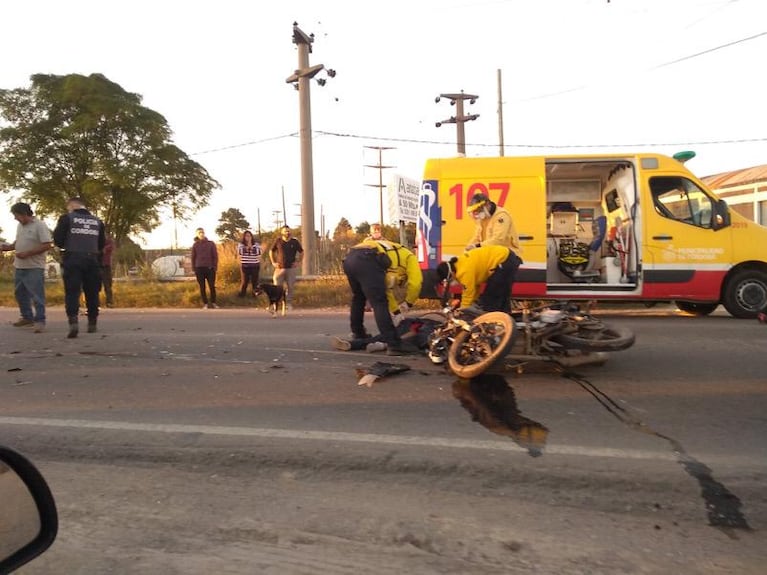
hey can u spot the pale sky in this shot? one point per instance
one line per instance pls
(579, 76)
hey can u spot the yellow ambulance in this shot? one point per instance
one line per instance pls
(618, 227)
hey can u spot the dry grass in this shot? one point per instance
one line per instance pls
(319, 293)
(144, 291)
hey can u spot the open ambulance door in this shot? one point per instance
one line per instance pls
(592, 226)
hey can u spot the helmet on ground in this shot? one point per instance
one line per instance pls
(477, 201)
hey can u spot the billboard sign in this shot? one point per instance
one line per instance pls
(403, 199)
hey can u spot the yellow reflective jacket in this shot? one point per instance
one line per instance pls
(473, 268)
(497, 230)
(404, 270)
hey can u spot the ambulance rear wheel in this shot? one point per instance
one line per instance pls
(696, 308)
(745, 294)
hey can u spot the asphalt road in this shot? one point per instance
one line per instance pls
(225, 441)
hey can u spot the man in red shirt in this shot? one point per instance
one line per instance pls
(205, 264)
(106, 269)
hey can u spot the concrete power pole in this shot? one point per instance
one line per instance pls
(500, 114)
(300, 80)
(380, 184)
(459, 119)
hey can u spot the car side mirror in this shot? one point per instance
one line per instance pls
(721, 215)
(28, 520)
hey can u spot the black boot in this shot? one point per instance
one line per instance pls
(92, 326)
(73, 327)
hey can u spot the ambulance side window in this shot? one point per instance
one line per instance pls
(682, 200)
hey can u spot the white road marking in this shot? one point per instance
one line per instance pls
(338, 436)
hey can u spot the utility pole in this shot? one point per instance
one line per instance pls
(322, 223)
(277, 220)
(459, 119)
(175, 228)
(300, 80)
(380, 184)
(323, 242)
(500, 115)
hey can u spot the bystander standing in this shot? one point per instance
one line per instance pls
(33, 240)
(285, 255)
(249, 252)
(205, 264)
(106, 269)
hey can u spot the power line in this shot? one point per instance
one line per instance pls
(717, 8)
(691, 56)
(485, 145)
(242, 145)
(656, 67)
(647, 144)
(383, 138)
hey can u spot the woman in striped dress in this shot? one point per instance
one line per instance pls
(249, 252)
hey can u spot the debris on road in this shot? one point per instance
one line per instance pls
(378, 370)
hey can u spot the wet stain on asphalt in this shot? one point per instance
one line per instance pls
(492, 403)
(722, 506)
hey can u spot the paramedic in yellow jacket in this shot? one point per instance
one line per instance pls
(373, 268)
(494, 225)
(494, 266)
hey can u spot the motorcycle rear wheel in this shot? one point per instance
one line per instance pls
(592, 338)
(474, 352)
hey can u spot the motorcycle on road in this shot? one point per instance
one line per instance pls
(560, 332)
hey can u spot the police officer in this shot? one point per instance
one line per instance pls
(81, 236)
(373, 268)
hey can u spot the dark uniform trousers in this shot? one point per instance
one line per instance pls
(365, 268)
(81, 271)
(497, 294)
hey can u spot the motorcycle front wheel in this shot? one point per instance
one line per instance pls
(597, 337)
(474, 352)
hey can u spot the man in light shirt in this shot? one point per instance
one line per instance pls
(33, 240)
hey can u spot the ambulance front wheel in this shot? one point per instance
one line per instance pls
(745, 294)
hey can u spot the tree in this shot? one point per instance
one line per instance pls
(86, 136)
(363, 229)
(231, 224)
(343, 230)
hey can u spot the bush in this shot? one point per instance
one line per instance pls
(228, 263)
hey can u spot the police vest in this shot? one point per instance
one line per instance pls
(83, 234)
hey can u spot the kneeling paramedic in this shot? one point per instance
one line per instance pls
(373, 268)
(494, 266)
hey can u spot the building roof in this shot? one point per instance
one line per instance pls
(741, 177)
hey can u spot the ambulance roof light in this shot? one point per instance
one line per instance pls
(684, 156)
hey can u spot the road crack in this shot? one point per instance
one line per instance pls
(722, 506)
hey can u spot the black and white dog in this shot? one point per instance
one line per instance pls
(276, 295)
